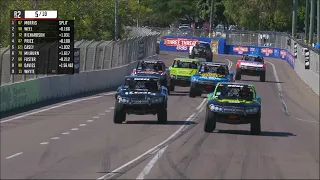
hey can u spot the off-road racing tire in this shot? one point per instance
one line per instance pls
(263, 77)
(238, 75)
(118, 115)
(210, 121)
(255, 126)
(192, 91)
(162, 115)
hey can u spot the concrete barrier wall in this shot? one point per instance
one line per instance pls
(29, 92)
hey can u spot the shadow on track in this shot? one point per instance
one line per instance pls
(155, 122)
(180, 91)
(178, 94)
(262, 82)
(263, 133)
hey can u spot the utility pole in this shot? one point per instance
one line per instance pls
(312, 16)
(138, 13)
(211, 19)
(318, 23)
(36, 4)
(294, 19)
(116, 20)
(306, 21)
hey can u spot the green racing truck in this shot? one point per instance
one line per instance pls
(181, 71)
(233, 103)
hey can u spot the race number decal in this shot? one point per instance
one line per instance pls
(212, 75)
(182, 47)
(142, 79)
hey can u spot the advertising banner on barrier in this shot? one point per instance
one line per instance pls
(182, 44)
(214, 46)
(261, 51)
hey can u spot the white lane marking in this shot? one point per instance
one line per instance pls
(90, 120)
(14, 155)
(65, 133)
(305, 120)
(229, 63)
(43, 143)
(102, 114)
(96, 117)
(54, 107)
(82, 125)
(284, 105)
(111, 108)
(74, 129)
(55, 138)
(200, 110)
(157, 147)
(107, 111)
(285, 108)
(153, 161)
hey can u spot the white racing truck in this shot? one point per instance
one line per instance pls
(201, 50)
(251, 66)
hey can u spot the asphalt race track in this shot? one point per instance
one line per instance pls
(79, 140)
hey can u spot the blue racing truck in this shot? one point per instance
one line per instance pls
(141, 95)
(207, 76)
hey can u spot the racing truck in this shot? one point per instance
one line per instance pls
(141, 95)
(154, 68)
(251, 66)
(233, 103)
(181, 71)
(207, 76)
(201, 50)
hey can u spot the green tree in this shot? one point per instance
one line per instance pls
(93, 19)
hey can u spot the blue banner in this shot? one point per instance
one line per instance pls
(218, 45)
(261, 51)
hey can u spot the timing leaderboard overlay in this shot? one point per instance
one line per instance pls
(40, 43)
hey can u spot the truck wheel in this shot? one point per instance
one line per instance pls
(118, 115)
(255, 128)
(210, 121)
(165, 84)
(238, 75)
(162, 115)
(171, 87)
(158, 48)
(263, 77)
(192, 55)
(209, 59)
(192, 91)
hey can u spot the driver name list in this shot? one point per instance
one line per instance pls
(41, 46)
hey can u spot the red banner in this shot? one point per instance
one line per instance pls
(179, 42)
(240, 49)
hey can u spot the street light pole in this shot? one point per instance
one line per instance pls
(138, 13)
(306, 23)
(318, 22)
(211, 19)
(312, 16)
(116, 20)
(36, 4)
(294, 19)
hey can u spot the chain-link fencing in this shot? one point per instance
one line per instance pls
(275, 40)
(94, 55)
